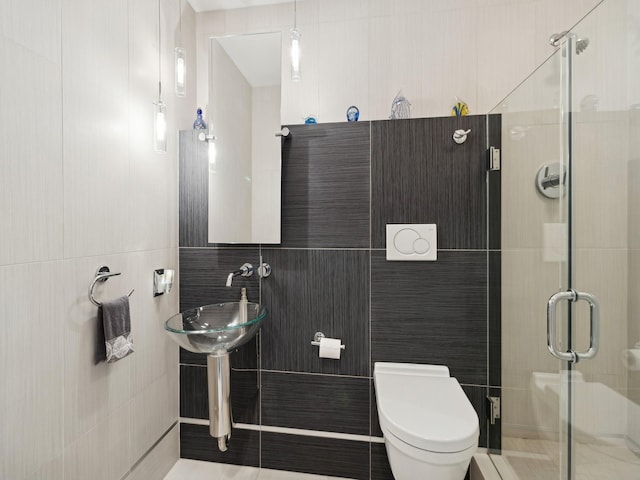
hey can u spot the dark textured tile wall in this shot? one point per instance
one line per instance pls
(196, 444)
(494, 439)
(193, 204)
(420, 175)
(432, 312)
(204, 275)
(316, 402)
(311, 291)
(494, 190)
(380, 468)
(194, 402)
(325, 186)
(341, 184)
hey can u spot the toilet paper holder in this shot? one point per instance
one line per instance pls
(317, 337)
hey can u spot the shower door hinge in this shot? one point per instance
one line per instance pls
(494, 409)
(494, 159)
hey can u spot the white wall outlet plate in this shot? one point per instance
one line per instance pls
(412, 242)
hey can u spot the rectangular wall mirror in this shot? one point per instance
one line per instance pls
(245, 153)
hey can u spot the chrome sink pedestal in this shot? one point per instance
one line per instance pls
(218, 379)
(216, 330)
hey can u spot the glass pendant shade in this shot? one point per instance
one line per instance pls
(181, 71)
(295, 36)
(160, 126)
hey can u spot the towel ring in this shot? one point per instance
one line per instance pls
(102, 275)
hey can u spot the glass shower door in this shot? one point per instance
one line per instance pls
(570, 261)
(534, 264)
(603, 52)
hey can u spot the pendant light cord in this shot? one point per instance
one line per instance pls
(159, 56)
(295, 14)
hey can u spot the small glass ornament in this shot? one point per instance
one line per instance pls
(400, 107)
(353, 114)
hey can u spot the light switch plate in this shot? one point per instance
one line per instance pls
(412, 242)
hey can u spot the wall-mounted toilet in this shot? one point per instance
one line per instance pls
(430, 428)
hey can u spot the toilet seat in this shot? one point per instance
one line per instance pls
(425, 408)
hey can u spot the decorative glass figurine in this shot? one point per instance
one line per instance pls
(460, 108)
(353, 114)
(400, 107)
(310, 119)
(199, 124)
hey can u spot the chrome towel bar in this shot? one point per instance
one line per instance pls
(102, 275)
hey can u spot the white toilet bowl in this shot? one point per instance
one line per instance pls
(430, 428)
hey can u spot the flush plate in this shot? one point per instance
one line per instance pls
(412, 242)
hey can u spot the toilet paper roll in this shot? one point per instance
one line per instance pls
(631, 359)
(330, 348)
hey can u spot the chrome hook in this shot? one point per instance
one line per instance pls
(460, 136)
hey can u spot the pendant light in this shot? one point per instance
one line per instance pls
(181, 62)
(159, 107)
(295, 36)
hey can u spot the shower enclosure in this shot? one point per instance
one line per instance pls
(567, 252)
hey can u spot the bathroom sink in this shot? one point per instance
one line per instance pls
(218, 328)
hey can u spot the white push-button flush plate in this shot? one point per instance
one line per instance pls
(412, 242)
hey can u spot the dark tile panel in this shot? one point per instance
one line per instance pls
(495, 188)
(316, 402)
(495, 223)
(310, 291)
(203, 275)
(376, 431)
(380, 468)
(246, 356)
(194, 401)
(420, 175)
(193, 191)
(196, 444)
(204, 271)
(319, 456)
(495, 318)
(325, 186)
(494, 436)
(245, 396)
(190, 358)
(478, 397)
(432, 312)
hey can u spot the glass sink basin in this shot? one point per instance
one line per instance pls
(217, 328)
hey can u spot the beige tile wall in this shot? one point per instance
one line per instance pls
(80, 187)
(633, 376)
(478, 50)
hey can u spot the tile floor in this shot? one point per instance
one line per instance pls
(196, 470)
(533, 459)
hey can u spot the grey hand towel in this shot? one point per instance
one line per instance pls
(116, 322)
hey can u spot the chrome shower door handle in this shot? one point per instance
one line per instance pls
(569, 356)
(594, 330)
(594, 320)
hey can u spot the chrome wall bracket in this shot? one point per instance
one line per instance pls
(493, 163)
(494, 409)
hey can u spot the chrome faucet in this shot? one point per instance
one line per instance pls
(246, 270)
